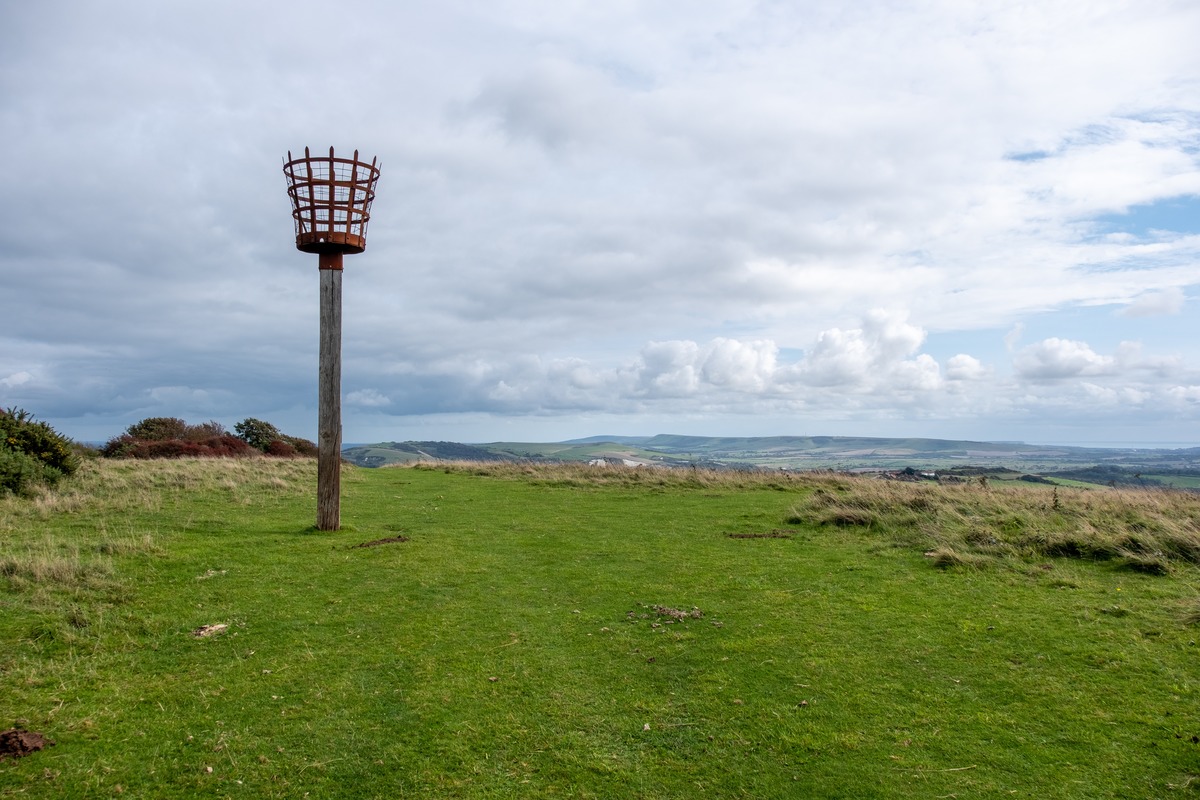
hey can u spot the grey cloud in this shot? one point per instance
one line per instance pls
(563, 185)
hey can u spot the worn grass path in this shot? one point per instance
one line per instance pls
(512, 648)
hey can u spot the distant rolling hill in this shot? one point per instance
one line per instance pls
(388, 453)
(789, 452)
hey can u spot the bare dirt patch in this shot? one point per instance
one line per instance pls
(378, 542)
(209, 630)
(16, 742)
(677, 613)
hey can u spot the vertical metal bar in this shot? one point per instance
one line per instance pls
(312, 197)
(331, 221)
(350, 199)
(329, 412)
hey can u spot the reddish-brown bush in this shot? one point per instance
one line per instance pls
(280, 448)
(225, 445)
(169, 437)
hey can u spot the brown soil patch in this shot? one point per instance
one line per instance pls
(677, 613)
(767, 535)
(209, 630)
(15, 743)
(388, 540)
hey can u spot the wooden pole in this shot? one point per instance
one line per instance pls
(329, 413)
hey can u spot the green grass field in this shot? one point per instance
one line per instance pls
(597, 633)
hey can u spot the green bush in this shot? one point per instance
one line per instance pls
(266, 437)
(32, 453)
(157, 429)
(257, 433)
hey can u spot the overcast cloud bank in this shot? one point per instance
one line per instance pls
(729, 218)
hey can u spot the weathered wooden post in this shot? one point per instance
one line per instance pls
(331, 205)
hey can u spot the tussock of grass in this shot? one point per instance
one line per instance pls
(948, 558)
(51, 567)
(1148, 563)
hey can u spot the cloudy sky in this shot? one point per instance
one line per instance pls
(719, 217)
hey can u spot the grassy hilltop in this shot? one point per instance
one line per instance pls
(487, 631)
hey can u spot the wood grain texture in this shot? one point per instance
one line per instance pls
(329, 414)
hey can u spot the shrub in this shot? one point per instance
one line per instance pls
(204, 431)
(303, 447)
(224, 445)
(169, 437)
(20, 473)
(281, 448)
(257, 433)
(157, 429)
(264, 436)
(32, 453)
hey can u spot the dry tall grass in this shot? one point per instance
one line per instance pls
(100, 514)
(1148, 529)
(582, 475)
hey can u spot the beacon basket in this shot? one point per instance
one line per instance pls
(331, 201)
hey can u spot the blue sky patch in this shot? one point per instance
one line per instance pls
(1178, 215)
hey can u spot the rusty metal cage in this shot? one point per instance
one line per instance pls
(331, 201)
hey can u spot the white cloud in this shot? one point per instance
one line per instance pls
(742, 366)
(963, 367)
(1056, 359)
(1153, 304)
(367, 398)
(669, 369)
(1124, 396)
(185, 397)
(16, 379)
(1185, 394)
(867, 356)
(1013, 337)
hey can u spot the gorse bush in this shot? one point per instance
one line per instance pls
(32, 453)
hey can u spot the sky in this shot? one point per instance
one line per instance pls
(723, 218)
